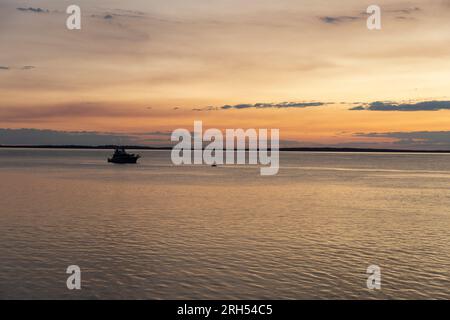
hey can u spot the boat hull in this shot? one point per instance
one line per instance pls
(131, 160)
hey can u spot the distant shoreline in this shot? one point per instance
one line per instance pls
(312, 149)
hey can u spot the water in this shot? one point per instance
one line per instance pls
(155, 231)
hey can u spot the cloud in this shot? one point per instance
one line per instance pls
(52, 137)
(128, 13)
(410, 10)
(338, 19)
(209, 108)
(282, 105)
(394, 106)
(36, 137)
(36, 10)
(69, 110)
(21, 68)
(335, 20)
(117, 13)
(414, 139)
(357, 108)
(405, 14)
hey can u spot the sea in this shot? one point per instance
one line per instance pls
(159, 231)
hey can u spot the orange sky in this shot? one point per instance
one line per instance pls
(151, 63)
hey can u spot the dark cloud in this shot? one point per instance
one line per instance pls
(119, 14)
(393, 106)
(209, 108)
(357, 108)
(338, 19)
(282, 105)
(35, 137)
(21, 68)
(30, 9)
(414, 139)
(52, 137)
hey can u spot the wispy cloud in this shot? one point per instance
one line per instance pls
(35, 10)
(21, 68)
(117, 13)
(72, 110)
(394, 106)
(338, 19)
(404, 14)
(400, 13)
(409, 10)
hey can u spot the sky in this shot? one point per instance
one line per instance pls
(139, 69)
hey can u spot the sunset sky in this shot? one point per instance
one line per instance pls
(139, 69)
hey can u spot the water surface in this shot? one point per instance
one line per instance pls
(156, 231)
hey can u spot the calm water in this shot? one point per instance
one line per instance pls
(155, 231)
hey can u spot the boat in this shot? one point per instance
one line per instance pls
(121, 156)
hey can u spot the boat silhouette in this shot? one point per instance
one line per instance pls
(122, 157)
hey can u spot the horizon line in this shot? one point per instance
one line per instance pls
(288, 149)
